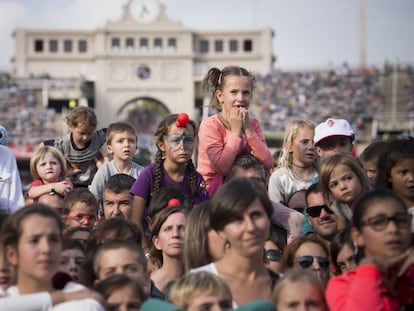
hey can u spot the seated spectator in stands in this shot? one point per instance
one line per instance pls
(82, 147)
(333, 136)
(48, 170)
(117, 200)
(122, 293)
(369, 159)
(80, 208)
(11, 192)
(121, 143)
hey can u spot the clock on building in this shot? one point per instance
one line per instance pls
(143, 72)
(144, 11)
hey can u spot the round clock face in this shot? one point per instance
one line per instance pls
(144, 11)
(143, 72)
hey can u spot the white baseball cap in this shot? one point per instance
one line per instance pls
(333, 127)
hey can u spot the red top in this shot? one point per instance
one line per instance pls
(362, 289)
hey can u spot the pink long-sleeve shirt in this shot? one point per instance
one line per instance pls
(218, 148)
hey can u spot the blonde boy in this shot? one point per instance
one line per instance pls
(121, 141)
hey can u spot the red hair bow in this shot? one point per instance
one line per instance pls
(174, 203)
(182, 120)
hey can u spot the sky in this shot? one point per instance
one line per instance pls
(309, 34)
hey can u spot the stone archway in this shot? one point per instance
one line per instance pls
(145, 113)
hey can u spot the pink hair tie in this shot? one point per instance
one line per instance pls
(174, 203)
(182, 120)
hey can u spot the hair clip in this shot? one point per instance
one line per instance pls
(219, 78)
(174, 203)
(182, 120)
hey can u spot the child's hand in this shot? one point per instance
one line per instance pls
(407, 263)
(63, 187)
(235, 119)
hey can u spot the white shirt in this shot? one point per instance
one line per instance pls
(11, 194)
(12, 300)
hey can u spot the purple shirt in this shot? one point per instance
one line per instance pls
(144, 185)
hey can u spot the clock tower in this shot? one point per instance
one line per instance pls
(144, 11)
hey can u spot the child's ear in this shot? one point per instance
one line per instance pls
(109, 148)
(160, 146)
(356, 236)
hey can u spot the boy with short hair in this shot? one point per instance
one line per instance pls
(333, 136)
(80, 208)
(121, 257)
(121, 141)
(369, 159)
(117, 200)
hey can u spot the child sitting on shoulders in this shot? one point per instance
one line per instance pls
(48, 170)
(82, 146)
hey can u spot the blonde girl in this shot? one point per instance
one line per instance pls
(296, 165)
(48, 170)
(343, 181)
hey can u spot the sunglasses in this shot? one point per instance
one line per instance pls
(315, 211)
(273, 254)
(306, 261)
(379, 223)
(174, 140)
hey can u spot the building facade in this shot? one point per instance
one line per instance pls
(138, 68)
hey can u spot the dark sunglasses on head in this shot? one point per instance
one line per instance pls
(273, 254)
(315, 211)
(306, 261)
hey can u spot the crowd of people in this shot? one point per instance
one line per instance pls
(323, 228)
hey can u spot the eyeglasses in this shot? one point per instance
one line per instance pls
(306, 261)
(174, 140)
(315, 211)
(82, 218)
(379, 223)
(273, 254)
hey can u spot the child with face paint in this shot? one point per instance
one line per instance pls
(173, 167)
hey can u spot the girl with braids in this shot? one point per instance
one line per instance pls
(230, 132)
(173, 167)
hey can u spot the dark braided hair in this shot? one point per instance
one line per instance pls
(160, 134)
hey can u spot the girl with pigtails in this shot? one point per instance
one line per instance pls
(232, 131)
(173, 167)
